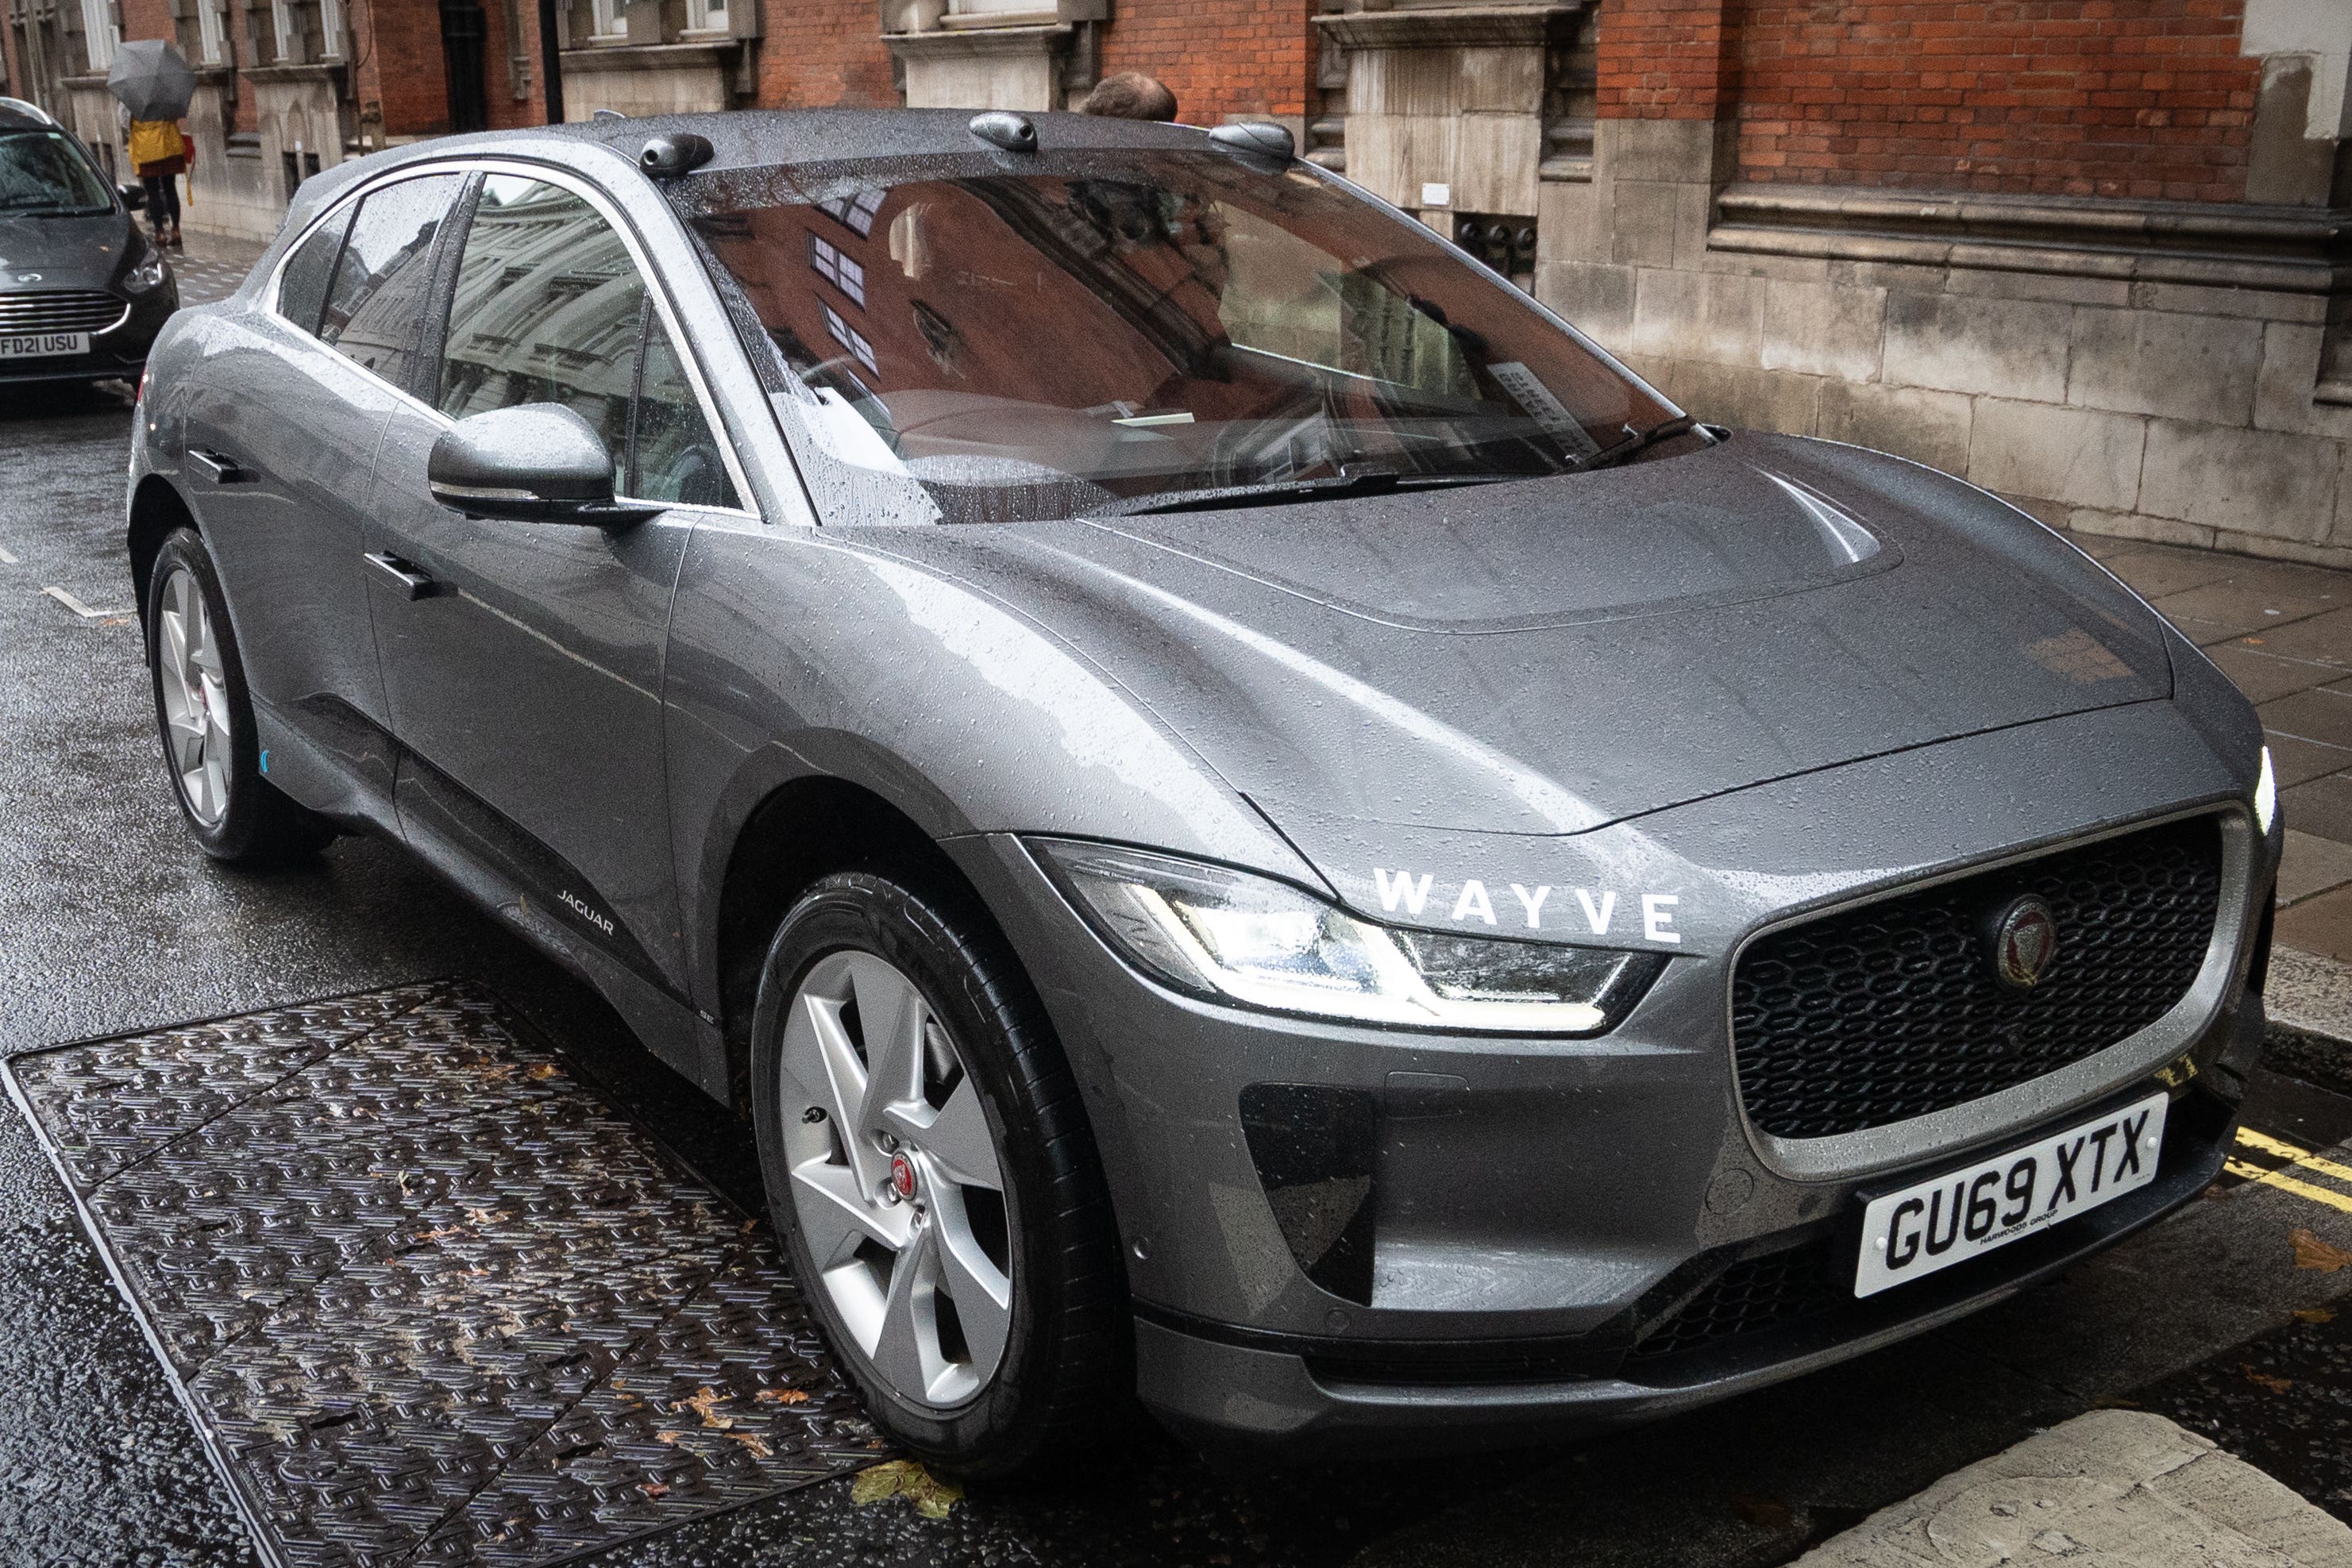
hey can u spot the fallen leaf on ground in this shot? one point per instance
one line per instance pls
(783, 1395)
(2264, 1380)
(1763, 1513)
(905, 1478)
(2310, 1252)
(706, 1404)
(2315, 1314)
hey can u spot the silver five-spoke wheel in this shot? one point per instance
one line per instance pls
(193, 681)
(895, 1180)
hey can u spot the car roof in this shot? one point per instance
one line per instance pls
(16, 114)
(758, 139)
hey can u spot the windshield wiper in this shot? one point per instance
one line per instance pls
(1282, 492)
(1640, 441)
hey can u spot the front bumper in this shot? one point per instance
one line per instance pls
(1319, 1397)
(118, 353)
(1515, 1219)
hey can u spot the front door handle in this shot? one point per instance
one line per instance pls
(413, 584)
(220, 470)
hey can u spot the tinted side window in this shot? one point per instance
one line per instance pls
(385, 280)
(672, 456)
(548, 309)
(302, 287)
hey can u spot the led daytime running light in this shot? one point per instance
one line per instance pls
(1238, 937)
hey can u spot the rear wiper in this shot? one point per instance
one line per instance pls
(1639, 440)
(1282, 492)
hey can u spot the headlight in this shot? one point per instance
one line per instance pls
(147, 273)
(2266, 796)
(1236, 938)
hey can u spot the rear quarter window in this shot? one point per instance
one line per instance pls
(302, 287)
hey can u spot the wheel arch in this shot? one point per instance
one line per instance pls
(799, 831)
(156, 512)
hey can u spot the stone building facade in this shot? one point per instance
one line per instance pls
(2091, 253)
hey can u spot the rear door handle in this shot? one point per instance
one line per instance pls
(413, 584)
(221, 470)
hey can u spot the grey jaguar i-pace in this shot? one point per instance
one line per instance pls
(1252, 817)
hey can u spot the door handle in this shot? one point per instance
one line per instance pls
(221, 470)
(413, 584)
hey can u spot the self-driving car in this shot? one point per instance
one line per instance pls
(82, 291)
(1250, 817)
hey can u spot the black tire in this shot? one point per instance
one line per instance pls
(260, 825)
(1067, 1373)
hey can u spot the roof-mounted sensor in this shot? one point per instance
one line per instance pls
(1003, 127)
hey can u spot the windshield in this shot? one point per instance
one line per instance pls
(46, 173)
(1133, 330)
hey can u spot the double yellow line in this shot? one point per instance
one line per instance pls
(2298, 1159)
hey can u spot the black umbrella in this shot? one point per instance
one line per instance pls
(150, 79)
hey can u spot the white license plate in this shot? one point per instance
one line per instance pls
(1909, 1234)
(42, 345)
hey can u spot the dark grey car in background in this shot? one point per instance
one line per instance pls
(82, 291)
(1250, 815)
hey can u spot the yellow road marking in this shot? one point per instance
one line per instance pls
(2286, 1183)
(2285, 1150)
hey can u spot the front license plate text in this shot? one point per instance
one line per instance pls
(1965, 1213)
(42, 345)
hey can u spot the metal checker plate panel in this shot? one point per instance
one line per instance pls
(428, 1298)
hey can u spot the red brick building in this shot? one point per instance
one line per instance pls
(2090, 253)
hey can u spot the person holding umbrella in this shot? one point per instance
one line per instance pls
(152, 81)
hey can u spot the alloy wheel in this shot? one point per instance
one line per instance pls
(189, 674)
(896, 1181)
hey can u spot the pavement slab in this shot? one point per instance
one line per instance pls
(2113, 1489)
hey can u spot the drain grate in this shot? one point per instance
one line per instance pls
(428, 1298)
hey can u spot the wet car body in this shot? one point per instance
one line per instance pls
(82, 291)
(1680, 708)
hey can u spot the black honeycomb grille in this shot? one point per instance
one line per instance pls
(1752, 1294)
(1892, 1011)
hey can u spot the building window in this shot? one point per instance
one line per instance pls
(838, 269)
(849, 338)
(857, 210)
(330, 29)
(100, 32)
(286, 30)
(210, 33)
(706, 15)
(612, 18)
(1006, 10)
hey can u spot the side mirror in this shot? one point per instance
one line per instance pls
(134, 194)
(535, 463)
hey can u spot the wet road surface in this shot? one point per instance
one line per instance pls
(109, 922)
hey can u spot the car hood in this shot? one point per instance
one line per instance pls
(67, 253)
(1552, 655)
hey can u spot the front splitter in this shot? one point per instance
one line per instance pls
(429, 1299)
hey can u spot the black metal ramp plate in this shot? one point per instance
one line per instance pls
(429, 1299)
